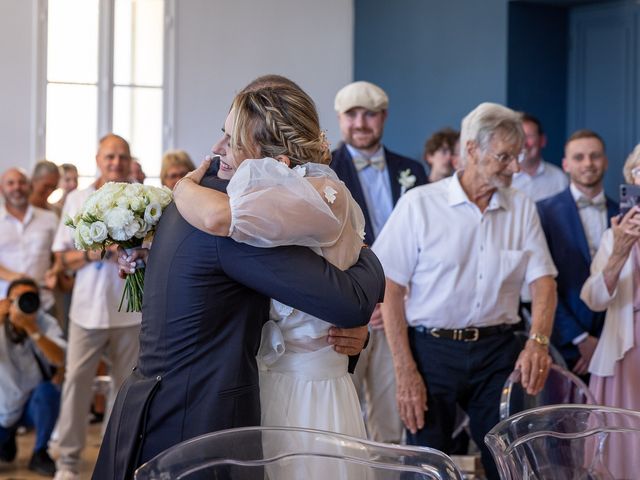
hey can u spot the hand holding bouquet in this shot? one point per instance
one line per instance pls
(121, 214)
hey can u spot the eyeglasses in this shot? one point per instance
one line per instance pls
(506, 159)
(635, 172)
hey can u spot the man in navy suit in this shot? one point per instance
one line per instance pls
(376, 178)
(573, 222)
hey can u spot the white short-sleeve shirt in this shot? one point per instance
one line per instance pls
(463, 268)
(548, 181)
(25, 246)
(98, 288)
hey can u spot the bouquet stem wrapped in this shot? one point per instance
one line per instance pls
(120, 214)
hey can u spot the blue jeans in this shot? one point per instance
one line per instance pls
(41, 412)
(469, 374)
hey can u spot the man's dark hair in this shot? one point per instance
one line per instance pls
(527, 117)
(23, 281)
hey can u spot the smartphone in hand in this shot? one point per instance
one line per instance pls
(629, 197)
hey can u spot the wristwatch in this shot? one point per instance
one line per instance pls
(540, 339)
(35, 336)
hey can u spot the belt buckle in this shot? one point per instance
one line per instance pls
(434, 332)
(476, 334)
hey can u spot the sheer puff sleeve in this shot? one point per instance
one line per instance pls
(272, 205)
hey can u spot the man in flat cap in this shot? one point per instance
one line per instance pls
(376, 178)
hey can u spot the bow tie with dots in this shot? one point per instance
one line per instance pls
(376, 162)
(584, 202)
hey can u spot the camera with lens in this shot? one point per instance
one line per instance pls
(28, 303)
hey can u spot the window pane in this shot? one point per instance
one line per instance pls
(138, 42)
(71, 129)
(72, 45)
(137, 116)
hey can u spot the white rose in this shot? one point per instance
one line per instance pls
(84, 232)
(77, 240)
(152, 213)
(98, 232)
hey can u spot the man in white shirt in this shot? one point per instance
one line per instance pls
(95, 324)
(573, 222)
(26, 235)
(537, 179)
(455, 254)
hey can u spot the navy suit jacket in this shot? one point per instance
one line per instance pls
(570, 251)
(205, 301)
(342, 164)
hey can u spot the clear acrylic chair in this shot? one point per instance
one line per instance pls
(561, 387)
(567, 442)
(294, 453)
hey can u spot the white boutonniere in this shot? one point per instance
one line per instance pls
(406, 180)
(330, 194)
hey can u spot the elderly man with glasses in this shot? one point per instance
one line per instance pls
(455, 254)
(573, 222)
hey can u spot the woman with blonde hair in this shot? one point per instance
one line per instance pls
(175, 165)
(614, 286)
(282, 192)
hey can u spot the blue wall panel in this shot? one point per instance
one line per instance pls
(435, 59)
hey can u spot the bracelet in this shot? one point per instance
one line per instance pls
(540, 339)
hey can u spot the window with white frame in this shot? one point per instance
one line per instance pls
(104, 73)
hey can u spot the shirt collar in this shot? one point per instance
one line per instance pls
(539, 171)
(4, 213)
(457, 195)
(577, 194)
(354, 152)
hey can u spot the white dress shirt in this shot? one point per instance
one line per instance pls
(25, 246)
(376, 189)
(594, 219)
(463, 268)
(98, 288)
(547, 181)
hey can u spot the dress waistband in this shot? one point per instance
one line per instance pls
(321, 364)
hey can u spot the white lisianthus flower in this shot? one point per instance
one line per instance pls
(133, 228)
(98, 232)
(152, 213)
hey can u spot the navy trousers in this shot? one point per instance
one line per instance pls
(40, 412)
(470, 374)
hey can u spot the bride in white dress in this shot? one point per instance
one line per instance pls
(303, 380)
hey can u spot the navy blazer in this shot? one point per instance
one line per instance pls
(205, 301)
(570, 251)
(342, 164)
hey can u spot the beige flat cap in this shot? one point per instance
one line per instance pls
(361, 94)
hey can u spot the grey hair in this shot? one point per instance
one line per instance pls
(484, 121)
(44, 167)
(632, 162)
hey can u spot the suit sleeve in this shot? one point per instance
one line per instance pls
(298, 277)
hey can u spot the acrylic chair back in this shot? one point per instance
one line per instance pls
(561, 387)
(258, 453)
(567, 442)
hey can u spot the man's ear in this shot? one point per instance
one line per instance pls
(284, 159)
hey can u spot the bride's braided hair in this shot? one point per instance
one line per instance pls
(279, 120)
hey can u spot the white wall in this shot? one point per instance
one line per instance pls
(16, 18)
(220, 46)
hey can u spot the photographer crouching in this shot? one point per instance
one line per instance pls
(31, 347)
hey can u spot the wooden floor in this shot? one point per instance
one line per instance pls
(17, 470)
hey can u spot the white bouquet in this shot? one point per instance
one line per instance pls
(120, 214)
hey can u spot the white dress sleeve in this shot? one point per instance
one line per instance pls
(272, 205)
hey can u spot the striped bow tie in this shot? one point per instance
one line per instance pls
(584, 202)
(362, 162)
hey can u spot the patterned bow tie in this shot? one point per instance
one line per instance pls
(361, 162)
(584, 202)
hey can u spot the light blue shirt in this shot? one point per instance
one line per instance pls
(376, 190)
(19, 371)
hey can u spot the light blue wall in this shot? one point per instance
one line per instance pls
(436, 60)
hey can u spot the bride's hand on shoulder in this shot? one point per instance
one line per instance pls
(128, 262)
(195, 175)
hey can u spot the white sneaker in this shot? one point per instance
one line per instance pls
(66, 475)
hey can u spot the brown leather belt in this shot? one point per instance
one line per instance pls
(470, 334)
